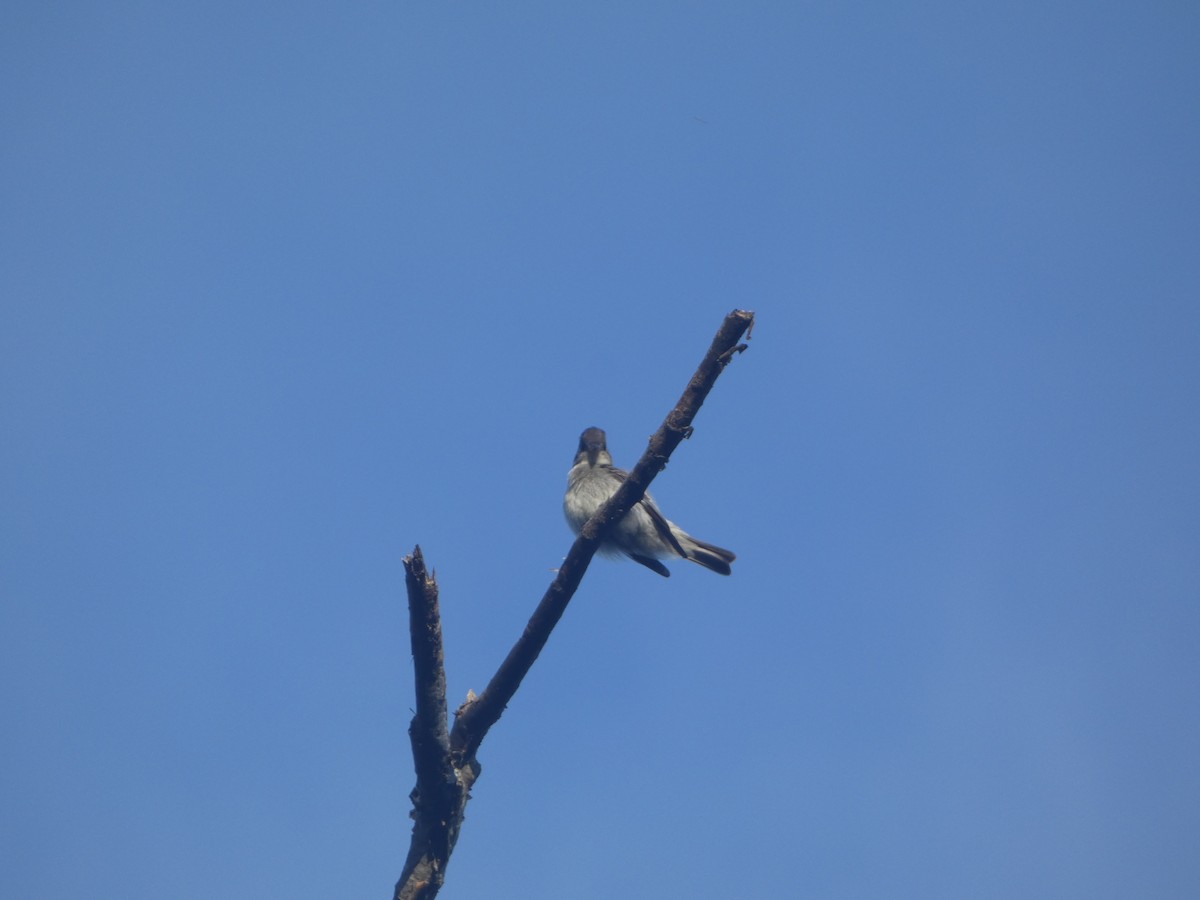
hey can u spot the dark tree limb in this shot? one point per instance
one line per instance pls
(474, 719)
(446, 765)
(440, 796)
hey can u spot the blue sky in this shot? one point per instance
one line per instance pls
(288, 291)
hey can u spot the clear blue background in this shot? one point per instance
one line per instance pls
(288, 289)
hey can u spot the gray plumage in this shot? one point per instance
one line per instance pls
(645, 535)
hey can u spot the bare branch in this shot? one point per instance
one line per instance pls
(445, 763)
(441, 792)
(475, 719)
(429, 727)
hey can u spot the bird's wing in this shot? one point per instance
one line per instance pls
(661, 525)
(651, 564)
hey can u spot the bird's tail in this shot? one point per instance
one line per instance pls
(708, 555)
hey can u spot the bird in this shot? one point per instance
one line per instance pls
(645, 535)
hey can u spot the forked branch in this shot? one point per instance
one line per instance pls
(446, 765)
